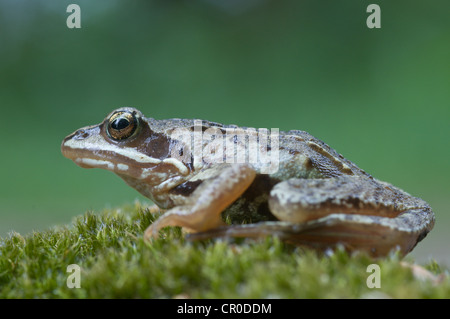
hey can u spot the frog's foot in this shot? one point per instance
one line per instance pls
(203, 212)
(184, 217)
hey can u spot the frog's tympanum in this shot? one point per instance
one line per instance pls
(203, 173)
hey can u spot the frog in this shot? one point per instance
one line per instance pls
(313, 196)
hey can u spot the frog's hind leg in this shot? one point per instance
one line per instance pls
(203, 209)
(377, 236)
(300, 200)
(359, 213)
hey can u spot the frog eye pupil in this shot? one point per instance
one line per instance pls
(122, 125)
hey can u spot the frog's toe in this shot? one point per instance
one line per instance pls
(151, 232)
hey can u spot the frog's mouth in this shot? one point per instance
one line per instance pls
(88, 148)
(87, 155)
(87, 159)
(83, 148)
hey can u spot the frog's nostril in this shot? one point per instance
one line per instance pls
(81, 134)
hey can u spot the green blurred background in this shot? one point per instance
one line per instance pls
(381, 97)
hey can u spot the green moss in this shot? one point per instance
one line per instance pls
(116, 263)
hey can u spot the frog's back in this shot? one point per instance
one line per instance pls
(304, 156)
(300, 154)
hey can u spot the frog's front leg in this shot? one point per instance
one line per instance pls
(203, 208)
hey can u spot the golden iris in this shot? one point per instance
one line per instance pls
(122, 125)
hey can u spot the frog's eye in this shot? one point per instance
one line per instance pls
(122, 125)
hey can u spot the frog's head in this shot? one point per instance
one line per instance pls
(123, 144)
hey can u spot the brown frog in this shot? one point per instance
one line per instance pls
(286, 184)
